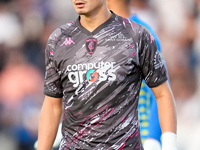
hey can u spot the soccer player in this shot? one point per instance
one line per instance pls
(94, 68)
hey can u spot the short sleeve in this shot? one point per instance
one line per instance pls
(152, 67)
(52, 82)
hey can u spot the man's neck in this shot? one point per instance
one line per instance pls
(120, 8)
(91, 22)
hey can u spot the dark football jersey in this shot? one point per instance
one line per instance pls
(98, 74)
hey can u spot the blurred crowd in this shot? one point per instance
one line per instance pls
(25, 26)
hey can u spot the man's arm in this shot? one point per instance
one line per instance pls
(167, 115)
(49, 121)
(166, 107)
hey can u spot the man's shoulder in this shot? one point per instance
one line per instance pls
(128, 22)
(133, 28)
(136, 19)
(68, 26)
(62, 30)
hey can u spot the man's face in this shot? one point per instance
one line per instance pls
(87, 7)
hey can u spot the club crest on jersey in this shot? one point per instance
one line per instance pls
(91, 45)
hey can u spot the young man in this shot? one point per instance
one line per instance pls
(148, 113)
(95, 67)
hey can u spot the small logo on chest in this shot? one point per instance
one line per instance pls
(68, 41)
(91, 45)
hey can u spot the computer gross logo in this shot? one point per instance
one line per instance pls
(92, 72)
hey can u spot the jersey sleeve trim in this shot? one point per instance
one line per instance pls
(158, 83)
(53, 95)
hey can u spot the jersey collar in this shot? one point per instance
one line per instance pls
(99, 28)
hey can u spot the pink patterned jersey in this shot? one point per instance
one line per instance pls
(98, 74)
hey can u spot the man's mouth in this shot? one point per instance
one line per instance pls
(79, 4)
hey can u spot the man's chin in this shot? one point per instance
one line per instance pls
(81, 12)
